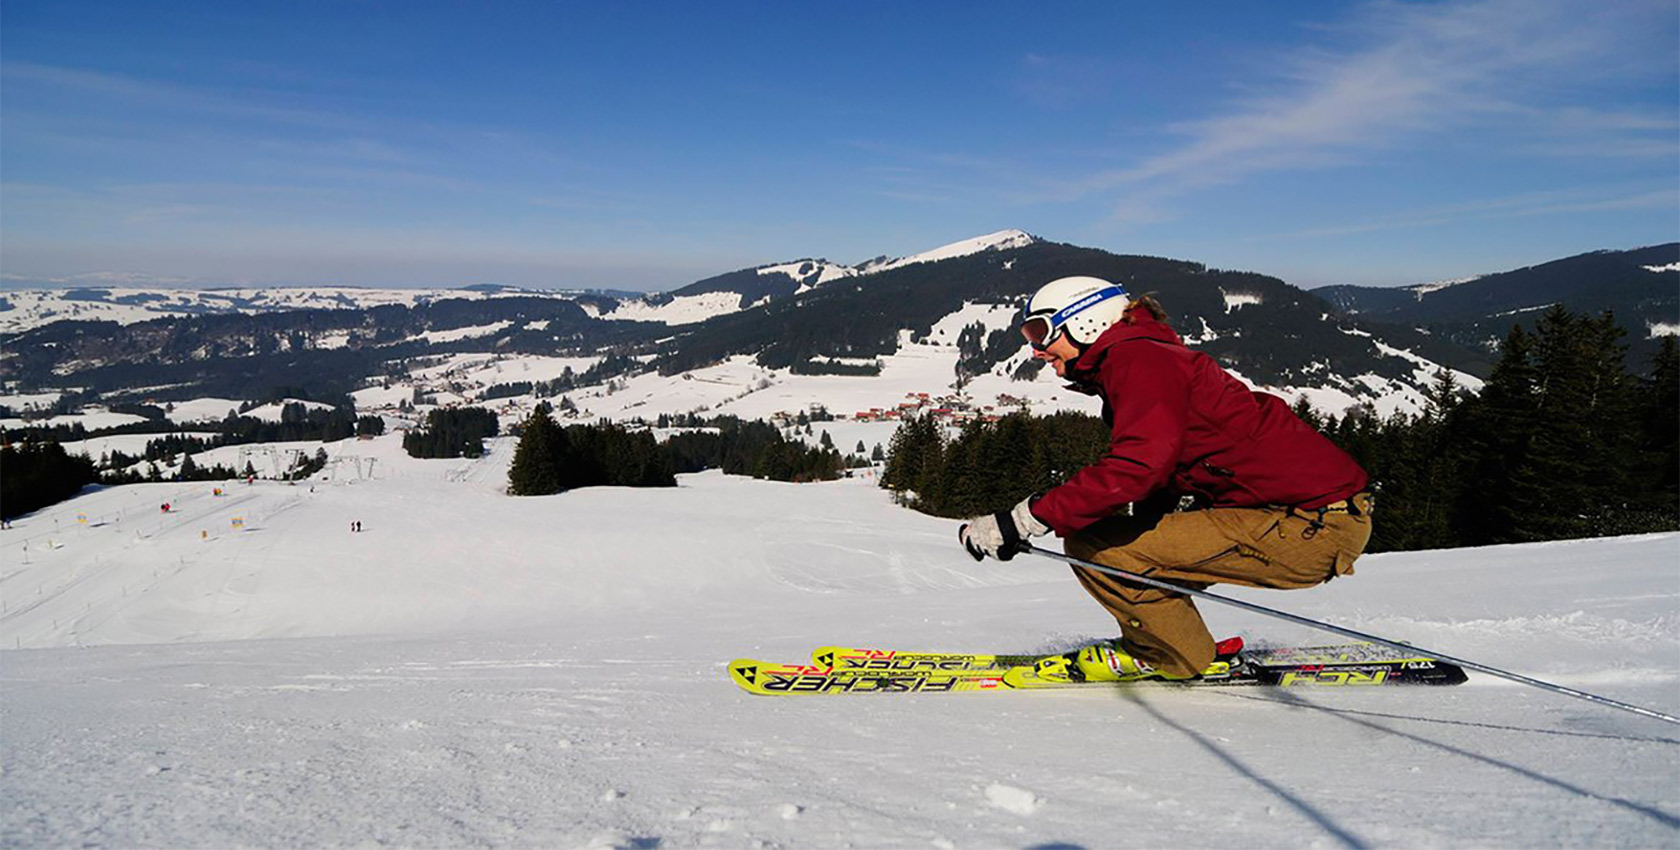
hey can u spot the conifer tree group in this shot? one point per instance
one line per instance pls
(452, 432)
(550, 459)
(34, 475)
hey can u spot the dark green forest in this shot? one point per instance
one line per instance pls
(552, 459)
(452, 432)
(35, 475)
(1564, 441)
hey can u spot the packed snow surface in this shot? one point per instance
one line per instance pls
(473, 669)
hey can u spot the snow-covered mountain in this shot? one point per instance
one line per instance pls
(23, 309)
(779, 338)
(1002, 240)
(126, 303)
(475, 669)
(748, 288)
(1640, 286)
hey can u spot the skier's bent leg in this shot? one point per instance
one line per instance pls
(1162, 630)
(1259, 547)
(1158, 628)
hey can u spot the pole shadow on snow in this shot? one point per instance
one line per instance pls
(1311, 812)
(1293, 700)
(1562, 733)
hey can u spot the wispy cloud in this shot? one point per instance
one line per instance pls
(1405, 71)
(202, 128)
(150, 97)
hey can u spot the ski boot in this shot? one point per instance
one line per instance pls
(1106, 662)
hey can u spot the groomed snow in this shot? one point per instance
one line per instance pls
(474, 669)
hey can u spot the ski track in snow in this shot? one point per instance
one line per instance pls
(476, 670)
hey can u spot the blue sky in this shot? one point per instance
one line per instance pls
(646, 145)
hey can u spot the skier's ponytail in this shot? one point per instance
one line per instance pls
(1145, 305)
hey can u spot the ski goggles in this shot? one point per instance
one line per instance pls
(1038, 332)
(1041, 328)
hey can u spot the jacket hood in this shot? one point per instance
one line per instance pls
(1082, 373)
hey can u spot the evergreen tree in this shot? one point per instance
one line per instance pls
(1574, 481)
(36, 475)
(452, 432)
(959, 486)
(914, 457)
(989, 467)
(1414, 464)
(1494, 435)
(1659, 415)
(533, 471)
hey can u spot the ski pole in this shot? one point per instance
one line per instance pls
(1345, 632)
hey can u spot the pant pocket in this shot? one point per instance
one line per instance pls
(1298, 552)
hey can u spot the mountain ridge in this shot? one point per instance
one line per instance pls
(789, 318)
(1640, 285)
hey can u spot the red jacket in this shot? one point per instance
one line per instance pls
(1180, 423)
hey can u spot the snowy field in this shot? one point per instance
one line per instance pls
(476, 670)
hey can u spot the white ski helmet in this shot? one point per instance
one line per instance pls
(1084, 307)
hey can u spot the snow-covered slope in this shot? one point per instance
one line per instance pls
(473, 669)
(681, 310)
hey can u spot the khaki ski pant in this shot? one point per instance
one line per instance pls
(1258, 547)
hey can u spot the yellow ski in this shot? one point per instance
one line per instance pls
(770, 679)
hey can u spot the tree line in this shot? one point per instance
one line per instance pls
(552, 459)
(452, 432)
(298, 422)
(1563, 441)
(37, 474)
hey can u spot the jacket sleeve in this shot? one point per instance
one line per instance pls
(1149, 398)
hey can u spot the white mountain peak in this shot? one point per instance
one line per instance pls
(1000, 241)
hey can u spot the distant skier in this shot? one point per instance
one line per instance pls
(1273, 503)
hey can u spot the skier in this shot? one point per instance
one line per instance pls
(1272, 503)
